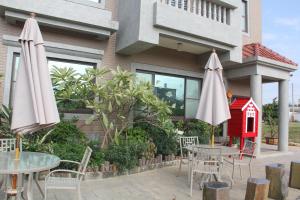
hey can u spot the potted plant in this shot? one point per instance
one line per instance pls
(270, 116)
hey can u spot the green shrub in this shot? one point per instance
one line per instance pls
(166, 143)
(97, 157)
(69, 151)
(197, 128)
(125, 155)
(137, 134)
(66, 141)
(66, 132)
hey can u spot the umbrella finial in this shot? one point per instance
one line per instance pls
(214, 50)
(32, 15)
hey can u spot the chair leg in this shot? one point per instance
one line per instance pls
(232, 172)
(79, 193)
(191, 184)
(45, 191)
(250, 171)
(241, 175)
(179, 169)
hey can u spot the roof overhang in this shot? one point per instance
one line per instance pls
(270, 63)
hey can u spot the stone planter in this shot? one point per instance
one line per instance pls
(271, 140)
(93, 176)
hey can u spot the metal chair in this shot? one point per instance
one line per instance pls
(185, 142)
(244, 159)
(8, 145)
(72, 182)
(206, 161)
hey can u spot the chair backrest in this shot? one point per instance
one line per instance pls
(9, 145)
(85, 161)
(207, 160)
(248, 149)
(187, 141)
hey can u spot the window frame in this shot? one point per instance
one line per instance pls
(245, 17)
(200, 81)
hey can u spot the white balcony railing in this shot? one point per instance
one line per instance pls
(203, 8)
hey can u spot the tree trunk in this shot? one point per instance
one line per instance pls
(216, 191)
(278, 177)
(295, 175)
(257, 189)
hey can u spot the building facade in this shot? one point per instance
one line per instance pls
(164, 41)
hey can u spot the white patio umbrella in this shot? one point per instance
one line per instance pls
(34, 105)
(213, 106)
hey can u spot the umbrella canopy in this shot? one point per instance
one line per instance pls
(213, 106)
(34, 105)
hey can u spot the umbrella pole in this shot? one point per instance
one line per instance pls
(212, 139)
(17, 157)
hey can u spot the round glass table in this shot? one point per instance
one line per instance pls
(29, 163)
(225, 151)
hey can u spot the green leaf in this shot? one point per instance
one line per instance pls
(109, 107)
(105, 120)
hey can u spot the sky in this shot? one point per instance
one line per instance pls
(281, 32)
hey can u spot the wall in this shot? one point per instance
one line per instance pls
(240, 87)
(154, 56)
(255, 23)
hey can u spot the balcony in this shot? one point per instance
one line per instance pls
(64, 15)
(194, 26)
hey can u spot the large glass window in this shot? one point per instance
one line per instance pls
(245, 16)
(77, 68)
(171, 89)
(181, 93)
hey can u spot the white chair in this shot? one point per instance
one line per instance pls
(68, 183)
(244, 159)
(206, 161)
(185, 142)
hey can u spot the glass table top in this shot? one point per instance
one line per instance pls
(29, 162)
(225, 151)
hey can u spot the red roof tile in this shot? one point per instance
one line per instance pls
(257, 49)
(239, 103)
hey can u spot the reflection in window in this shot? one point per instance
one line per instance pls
(16, 61)
(181, 93)
(77, 69)
(171, 90)
(144, 77)
(192, 97)
(245, 16)
(61, 70)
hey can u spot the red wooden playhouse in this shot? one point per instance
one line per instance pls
(244, 120)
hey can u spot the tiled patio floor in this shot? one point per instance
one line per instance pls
(163, 184)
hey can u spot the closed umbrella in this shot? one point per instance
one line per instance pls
(213, 106)
(34, 105)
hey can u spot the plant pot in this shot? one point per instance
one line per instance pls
(271, 140)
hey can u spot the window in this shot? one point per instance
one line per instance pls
(16, 61)
(79, 69)
(181, 93)
(250, 124)
(245, 16)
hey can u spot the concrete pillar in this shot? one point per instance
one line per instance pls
(283, 144)
(256, 94)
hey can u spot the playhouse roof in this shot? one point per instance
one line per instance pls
(242, 103)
